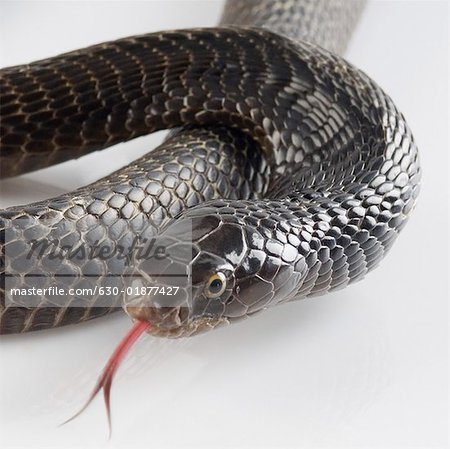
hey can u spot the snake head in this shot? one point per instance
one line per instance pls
(215, 268)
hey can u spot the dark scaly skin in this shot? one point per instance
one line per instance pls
(339, 152)
(19, 319)
(198, 165)
(61, 108)
(337, 19)
(326, 223)
(323, 227)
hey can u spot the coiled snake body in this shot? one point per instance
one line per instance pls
(292, 176)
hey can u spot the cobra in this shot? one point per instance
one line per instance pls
(293, 172)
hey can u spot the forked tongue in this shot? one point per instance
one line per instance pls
(105, 380)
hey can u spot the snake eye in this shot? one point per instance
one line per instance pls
(216, 285)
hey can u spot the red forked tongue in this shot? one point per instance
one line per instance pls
(105, 380)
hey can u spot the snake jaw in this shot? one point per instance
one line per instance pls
(175, 322)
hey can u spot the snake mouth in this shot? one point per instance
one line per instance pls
(173, 322)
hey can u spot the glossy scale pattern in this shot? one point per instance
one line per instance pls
(325, 157)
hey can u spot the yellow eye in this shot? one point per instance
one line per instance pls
(216, 285)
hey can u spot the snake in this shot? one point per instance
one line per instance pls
(287, 173)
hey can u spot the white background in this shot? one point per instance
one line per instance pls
(364, 367)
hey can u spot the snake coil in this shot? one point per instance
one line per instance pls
(293, 172)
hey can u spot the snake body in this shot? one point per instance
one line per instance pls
(293, 173)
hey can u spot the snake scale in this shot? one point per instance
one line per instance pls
(292, 172)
